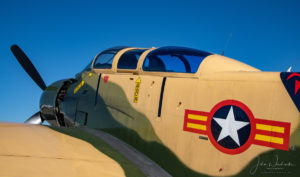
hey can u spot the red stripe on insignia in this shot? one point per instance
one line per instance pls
(272, 123)
(200, 113)
(197, 121)
(269, 133)
(272, 145)
(195, 130)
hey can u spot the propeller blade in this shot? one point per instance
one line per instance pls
(28, 66)
(35, 119)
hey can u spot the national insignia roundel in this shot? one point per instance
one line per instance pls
(230, 126)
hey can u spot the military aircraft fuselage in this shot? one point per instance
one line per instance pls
(194, 113)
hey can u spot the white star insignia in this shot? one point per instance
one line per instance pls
(230, 127)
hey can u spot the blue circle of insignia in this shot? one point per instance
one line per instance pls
(230, 127)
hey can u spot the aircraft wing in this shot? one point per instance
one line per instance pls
(36, 150)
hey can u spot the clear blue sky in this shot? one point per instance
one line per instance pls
(61, 37)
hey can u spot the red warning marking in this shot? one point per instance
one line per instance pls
(106, 79)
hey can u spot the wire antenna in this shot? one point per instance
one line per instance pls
(293, 64)
(227, 43)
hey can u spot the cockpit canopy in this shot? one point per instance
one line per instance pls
(174, 59)
(163, 59)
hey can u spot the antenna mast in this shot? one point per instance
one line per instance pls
(227, 43)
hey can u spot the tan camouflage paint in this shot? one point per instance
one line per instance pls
(34, 150)
(218, 78)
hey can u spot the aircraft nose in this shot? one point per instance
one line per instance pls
(48, 103)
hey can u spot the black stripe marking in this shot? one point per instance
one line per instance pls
(161, 96)
(98, 85)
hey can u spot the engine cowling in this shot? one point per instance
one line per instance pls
(50, 100)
